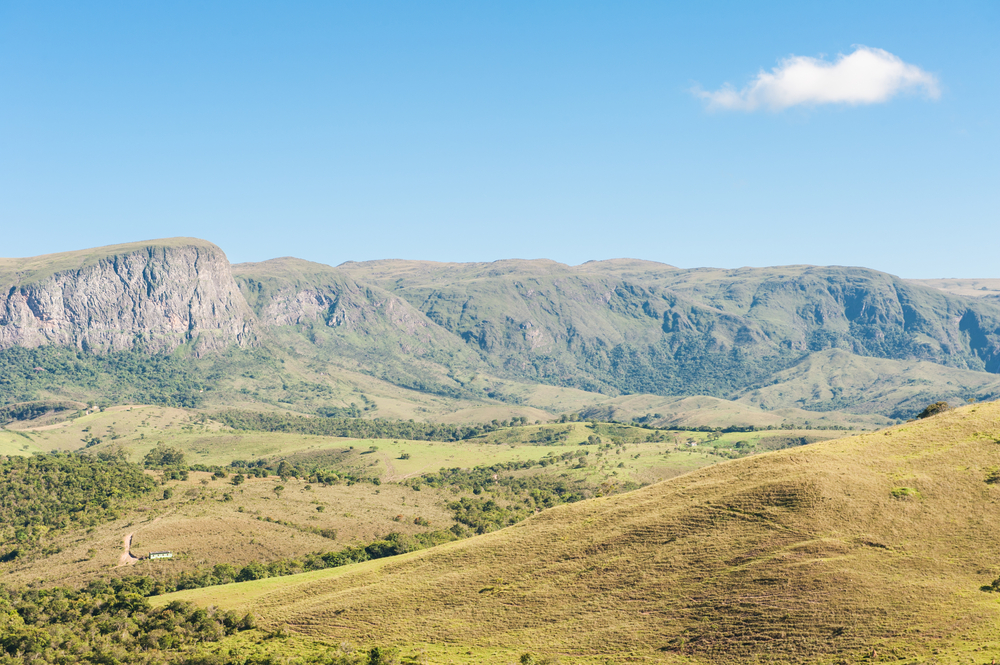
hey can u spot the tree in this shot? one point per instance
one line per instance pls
(383, 656)
(252, 571)
(163, 456)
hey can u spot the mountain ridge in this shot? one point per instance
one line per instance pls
(480, 330)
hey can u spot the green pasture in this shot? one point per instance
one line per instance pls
(605, 452)
(17, 443)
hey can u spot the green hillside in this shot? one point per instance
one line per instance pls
(834, 380)
(322, 313)
(871, 548)
(644, 327)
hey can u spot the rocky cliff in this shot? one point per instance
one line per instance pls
(156, 296)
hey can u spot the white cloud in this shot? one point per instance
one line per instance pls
(866, 76)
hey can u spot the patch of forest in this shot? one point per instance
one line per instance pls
(51, 492)
(106, 622)
(121, 377)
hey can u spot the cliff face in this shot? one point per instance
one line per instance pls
(155, 297)
(288, 291)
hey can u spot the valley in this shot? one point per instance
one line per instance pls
(521, 461)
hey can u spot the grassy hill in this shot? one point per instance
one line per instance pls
(871, 548)
(837, 380)
(970, 288)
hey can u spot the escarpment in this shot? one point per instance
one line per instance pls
(802, 337)
(154, 296)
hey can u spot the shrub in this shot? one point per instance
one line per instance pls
(904, 493)
(992, 588)
(383, 656)
(934, 409)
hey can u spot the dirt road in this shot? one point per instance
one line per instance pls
(126, 559)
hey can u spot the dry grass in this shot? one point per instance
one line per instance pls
(798, 556)
(202, 527)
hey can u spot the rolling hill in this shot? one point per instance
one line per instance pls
(871, 548)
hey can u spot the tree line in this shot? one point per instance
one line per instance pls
(357, 428)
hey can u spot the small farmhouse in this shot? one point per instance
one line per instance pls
(161, 555)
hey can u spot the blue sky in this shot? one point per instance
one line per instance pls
(480, 131)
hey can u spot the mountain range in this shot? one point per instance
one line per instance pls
(515, 334)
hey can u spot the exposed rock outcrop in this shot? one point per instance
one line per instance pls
(155, 296)
(290, 291)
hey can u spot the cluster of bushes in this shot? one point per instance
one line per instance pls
(43, 493)
(171, 462)
(32, 410)
(485, 515)
(524, 494)
(313, 473)
(342, 655)
(105, 622)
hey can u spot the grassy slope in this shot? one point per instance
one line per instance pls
(970, 288)
(202, 527)
(901, 388)
(802, 555)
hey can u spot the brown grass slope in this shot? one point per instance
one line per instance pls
(803, 555)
